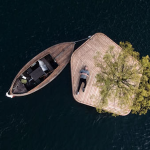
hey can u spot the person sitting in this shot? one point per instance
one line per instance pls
(84, 73)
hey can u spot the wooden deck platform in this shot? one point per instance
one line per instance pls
(84, 56)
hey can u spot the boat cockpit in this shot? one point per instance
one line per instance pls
(34, 75)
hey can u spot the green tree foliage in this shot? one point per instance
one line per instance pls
(142, 102)
(117, 76)
(127, 47)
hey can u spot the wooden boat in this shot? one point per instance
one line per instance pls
(41, 70)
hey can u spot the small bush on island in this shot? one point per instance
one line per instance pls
(121, 78)
(141, 104)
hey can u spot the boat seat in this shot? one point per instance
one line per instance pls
(48, 65)
(38, 81)
(29, 70)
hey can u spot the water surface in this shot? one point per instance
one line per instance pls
(51, 119)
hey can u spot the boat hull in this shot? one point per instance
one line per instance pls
(61, 53)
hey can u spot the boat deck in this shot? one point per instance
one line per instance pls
(60, 55)
(84, 56)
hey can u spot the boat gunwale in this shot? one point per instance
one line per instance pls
(34, 59)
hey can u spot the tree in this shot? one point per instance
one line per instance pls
(127, 47)
(118, 76)
(142, 102)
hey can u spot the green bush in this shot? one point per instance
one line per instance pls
(115, 72)
(142, 101)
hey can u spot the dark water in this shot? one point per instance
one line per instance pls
(51, 119)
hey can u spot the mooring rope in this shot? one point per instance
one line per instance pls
(83, 39)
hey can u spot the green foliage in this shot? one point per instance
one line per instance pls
(127, 47)
(104, 111)
(100, 110)
(117, 76)
(142, 102)
(116, 72)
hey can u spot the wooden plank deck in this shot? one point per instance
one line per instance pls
(84, 56)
